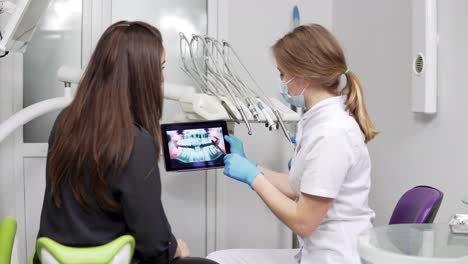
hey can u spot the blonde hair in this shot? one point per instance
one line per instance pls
(311, 52)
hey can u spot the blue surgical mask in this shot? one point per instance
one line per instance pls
(297, 101)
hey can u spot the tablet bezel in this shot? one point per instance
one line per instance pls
(191, 125)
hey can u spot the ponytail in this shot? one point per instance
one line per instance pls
(312, 52)
(357, 106)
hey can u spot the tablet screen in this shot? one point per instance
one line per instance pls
(190, 146)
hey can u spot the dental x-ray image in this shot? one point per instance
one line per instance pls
(194, 146)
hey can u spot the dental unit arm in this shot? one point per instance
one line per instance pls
(69, 76)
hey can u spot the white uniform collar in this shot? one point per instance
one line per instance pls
(333, 101)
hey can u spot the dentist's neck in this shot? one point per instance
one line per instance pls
(314, 95)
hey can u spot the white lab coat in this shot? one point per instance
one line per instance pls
(331, 160)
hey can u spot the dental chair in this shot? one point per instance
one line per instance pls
(118, 251)
(417, 206)
(7, 238)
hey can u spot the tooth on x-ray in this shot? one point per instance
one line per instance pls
(196, 145)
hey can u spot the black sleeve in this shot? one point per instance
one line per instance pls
(140, 197)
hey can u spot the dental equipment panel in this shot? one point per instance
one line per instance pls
(215, 67)
(194, 146)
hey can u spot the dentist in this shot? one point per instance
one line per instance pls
(324, 199)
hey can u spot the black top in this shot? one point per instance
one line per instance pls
(142, 215)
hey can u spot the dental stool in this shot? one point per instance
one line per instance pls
(119, 251)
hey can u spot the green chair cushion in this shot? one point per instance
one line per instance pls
(89, 255)
(7, 238)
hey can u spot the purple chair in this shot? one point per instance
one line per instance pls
(417, 206)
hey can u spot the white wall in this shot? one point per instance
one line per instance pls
(252, 27)
(413, 149)
(57, 41)
(7, 83)
(7, 182)
(11, 81)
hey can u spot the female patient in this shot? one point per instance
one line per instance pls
(102, 170)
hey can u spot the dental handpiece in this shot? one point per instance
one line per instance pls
(230, 112)
(247, 123)
(270, 124)
(244, 116)
(282, 125)
(252, 109)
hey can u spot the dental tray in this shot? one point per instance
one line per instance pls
(459, 224)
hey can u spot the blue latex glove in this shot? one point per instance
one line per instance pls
(237, 147)
(240, 168)
(293, 140)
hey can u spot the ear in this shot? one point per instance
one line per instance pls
(304, 83)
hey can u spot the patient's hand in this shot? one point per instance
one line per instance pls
(182, 249)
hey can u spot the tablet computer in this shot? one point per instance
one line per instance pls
(194, 146)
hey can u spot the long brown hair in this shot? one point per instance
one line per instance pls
(122, 85)
(311, 52)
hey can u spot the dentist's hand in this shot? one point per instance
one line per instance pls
(236, 145)
(294, 141)
(240, 168)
